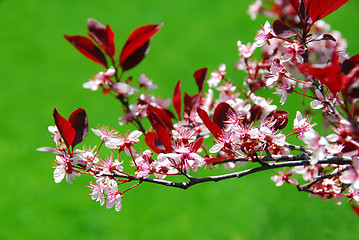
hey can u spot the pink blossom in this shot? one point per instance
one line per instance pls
(317, 143)
(109, 165)
(246, 51)
(146, 82)
(144, 164)
(254, 9)
(266, 135)
(113, 196)
(64, 169)
(105, 133)
(302, 125)
(317, 104)
(125, 143)
(264, 105)
(97, 192)
(56, 137)
(263, 35)
(351, 176)
(292, 51)
(165, 165)
(100, 79)
(217, 76)
(284, 177)
(284, 88)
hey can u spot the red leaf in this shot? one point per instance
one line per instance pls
(330, 75)
(190, 103)
(350, 63)
(88, 48)
(163, 116)
(79, 122)
(282, 29)
(158, 125)
(356, 209)
(221, 113)
(137, 43)
(65, 128)
(103, 36)
(318, 9)
(136, 57)
(212, 127)
(200, 76)
(214, 160)
(176, 100)
(153, 141)
(295, 4)
(196, 145)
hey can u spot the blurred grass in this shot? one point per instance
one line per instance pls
(41, 70)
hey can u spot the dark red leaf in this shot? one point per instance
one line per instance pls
(65, 128)
(282, 29)
(79, 122)
(103, 36)
(303, 10)
(163, 117)
(318, 9)
(350, 63)
(137, 43)
(212, 127)
(190, 103)
(200, 76)
(221, 113)
(177, 100)
(136, 57)
(88, 48)
(162, 133)
(356, 209)
(153, 141)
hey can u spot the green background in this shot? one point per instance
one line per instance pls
(40, 70)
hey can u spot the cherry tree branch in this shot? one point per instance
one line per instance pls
(289, 161)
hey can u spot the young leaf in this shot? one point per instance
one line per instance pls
(136, 46)
(88, 49)
(161, 131)
(164, 118)
(282, 29)
(176, 100)
(212, 127)
(153, 141)
(190, 103)
(200, 76)
(103, 36)
(221, 113)
(350, 63)
(196, 145)
(79, 122)
(65, 128)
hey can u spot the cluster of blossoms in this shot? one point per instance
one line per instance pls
(299, 55)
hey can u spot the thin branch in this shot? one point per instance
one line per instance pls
(195, 181)
(306, 187)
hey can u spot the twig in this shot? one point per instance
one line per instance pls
(195, 181)
(306, 187)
